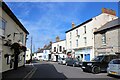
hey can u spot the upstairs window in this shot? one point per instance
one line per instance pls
(60, 49)
(85, 40)
(77, 32)
(103, 38)
(76, 43)
(2, 24)
(22, 37)
(85, 29)
(70, 35)
(70, 44)
(54, 49)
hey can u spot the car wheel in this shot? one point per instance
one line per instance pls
(84, 70)
(95, 70)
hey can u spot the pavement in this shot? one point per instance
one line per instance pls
(19, 74)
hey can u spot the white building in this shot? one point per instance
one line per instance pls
(80, 39)
(38, 56)
(58, 49)
(28, 55)
(46, 54)
(12, 40)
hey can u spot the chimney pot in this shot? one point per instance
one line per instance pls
(73, 25)
(57, 39)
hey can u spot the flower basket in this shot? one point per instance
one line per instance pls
(6, 55)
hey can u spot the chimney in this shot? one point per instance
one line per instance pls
(57, 39)
(73, 25)
(50, 42)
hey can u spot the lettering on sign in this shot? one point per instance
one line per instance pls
(108, 11)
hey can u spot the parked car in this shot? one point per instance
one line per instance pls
(98, 64)
(114, 67)
(72, 62)
(62, 61)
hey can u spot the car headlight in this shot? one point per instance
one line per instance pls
(89, 64)
(81, 64)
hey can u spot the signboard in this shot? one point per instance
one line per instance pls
(109, 11)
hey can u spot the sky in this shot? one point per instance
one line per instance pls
(46, 20)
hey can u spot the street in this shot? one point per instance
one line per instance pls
(54, 70)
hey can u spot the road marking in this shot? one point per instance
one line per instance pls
(29, 75)
(32, 73)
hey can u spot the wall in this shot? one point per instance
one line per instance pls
(57, 45)
(112, 37)
(28, 54)
(11, 28)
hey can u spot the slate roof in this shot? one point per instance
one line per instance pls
(109, 25)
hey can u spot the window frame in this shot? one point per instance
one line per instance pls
(103, 38)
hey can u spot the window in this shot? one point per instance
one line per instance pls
(54, 49)
(22, 37)
(3, 25)
(60, 49)
(63, 48)
(70, 35)
(104, 38)
(70, 44)
(85, 29)
(76, 43)
(85, 40)
(76, 32)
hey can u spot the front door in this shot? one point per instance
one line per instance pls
(57, 58)
(87, 57)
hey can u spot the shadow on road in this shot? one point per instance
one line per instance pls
(47, 71)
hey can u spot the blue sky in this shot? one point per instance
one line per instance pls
(46, 20)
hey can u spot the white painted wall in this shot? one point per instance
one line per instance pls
(11, 28)
(39, 56)
(97, 22)
(45, 54)
(28, 54)
(58, 44)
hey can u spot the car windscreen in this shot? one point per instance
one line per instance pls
(98, 58)
(116, 61)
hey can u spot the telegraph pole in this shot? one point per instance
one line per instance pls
(31, 47)
(34, 48)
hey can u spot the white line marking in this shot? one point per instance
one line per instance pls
(29, 72)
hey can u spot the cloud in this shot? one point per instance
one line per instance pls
(45, 21)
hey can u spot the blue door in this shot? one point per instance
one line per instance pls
(87, 57)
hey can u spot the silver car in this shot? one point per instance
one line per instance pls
(114, 67)
(62, 61)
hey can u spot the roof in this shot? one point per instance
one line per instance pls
(79, 25)
(47, 47)
(11, 14)
(112, 24)
(60, 41)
